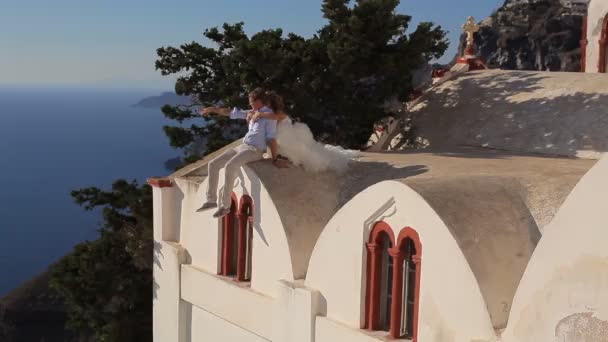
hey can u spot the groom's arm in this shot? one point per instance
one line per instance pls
(233, 113)
(217, 110)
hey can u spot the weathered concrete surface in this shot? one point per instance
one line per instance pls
(563, 294)
(553, 113)
(541, 182)
(494, 229)
(582, 327)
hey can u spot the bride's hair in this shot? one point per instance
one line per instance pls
(258, 94)
(274, 101)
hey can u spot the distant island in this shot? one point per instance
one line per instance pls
(166, 98)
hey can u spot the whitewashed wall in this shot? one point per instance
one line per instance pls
(243, 307)
(168, 314)
(330, 331)
(596, 14)
(200, 233)
(295, 311)
(563, 295)
(451, 304)
(208, 327)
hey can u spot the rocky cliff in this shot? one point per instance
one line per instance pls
(539, 35)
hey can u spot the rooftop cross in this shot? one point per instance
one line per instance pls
(470, 55)
(470, 27)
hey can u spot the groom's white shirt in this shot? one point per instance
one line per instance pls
(260, 132)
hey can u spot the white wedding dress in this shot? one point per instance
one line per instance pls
(297, 143)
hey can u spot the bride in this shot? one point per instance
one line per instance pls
(296, 141)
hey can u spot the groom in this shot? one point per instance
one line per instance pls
(261, 134)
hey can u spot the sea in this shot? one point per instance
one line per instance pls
(53, 141)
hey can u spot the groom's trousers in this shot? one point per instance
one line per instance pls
(232, 160)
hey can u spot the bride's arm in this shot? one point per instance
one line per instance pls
(271, 116)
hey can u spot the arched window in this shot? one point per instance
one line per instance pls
(393, 281)
(245, 239)
(406, 293)
(603, 46)
(379, 277)
(230, 226)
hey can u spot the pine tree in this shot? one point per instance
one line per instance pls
(106, 284)
(337, 81)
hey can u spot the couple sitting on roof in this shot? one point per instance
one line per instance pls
(295, 140)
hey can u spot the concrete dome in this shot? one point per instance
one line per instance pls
(553, 113)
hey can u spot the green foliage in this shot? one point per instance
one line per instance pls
(336, 81)
(6, 327)
(107, 283)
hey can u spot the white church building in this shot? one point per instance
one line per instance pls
(454, 247)
(496, 232)
(488, 239)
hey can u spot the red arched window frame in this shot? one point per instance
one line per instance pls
(228, 242)
(374, 268)
(399, 253)
(245, 239)
(603, 41)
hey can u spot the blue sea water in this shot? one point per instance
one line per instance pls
(56, 140)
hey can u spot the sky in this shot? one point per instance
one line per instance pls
(112, 43)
